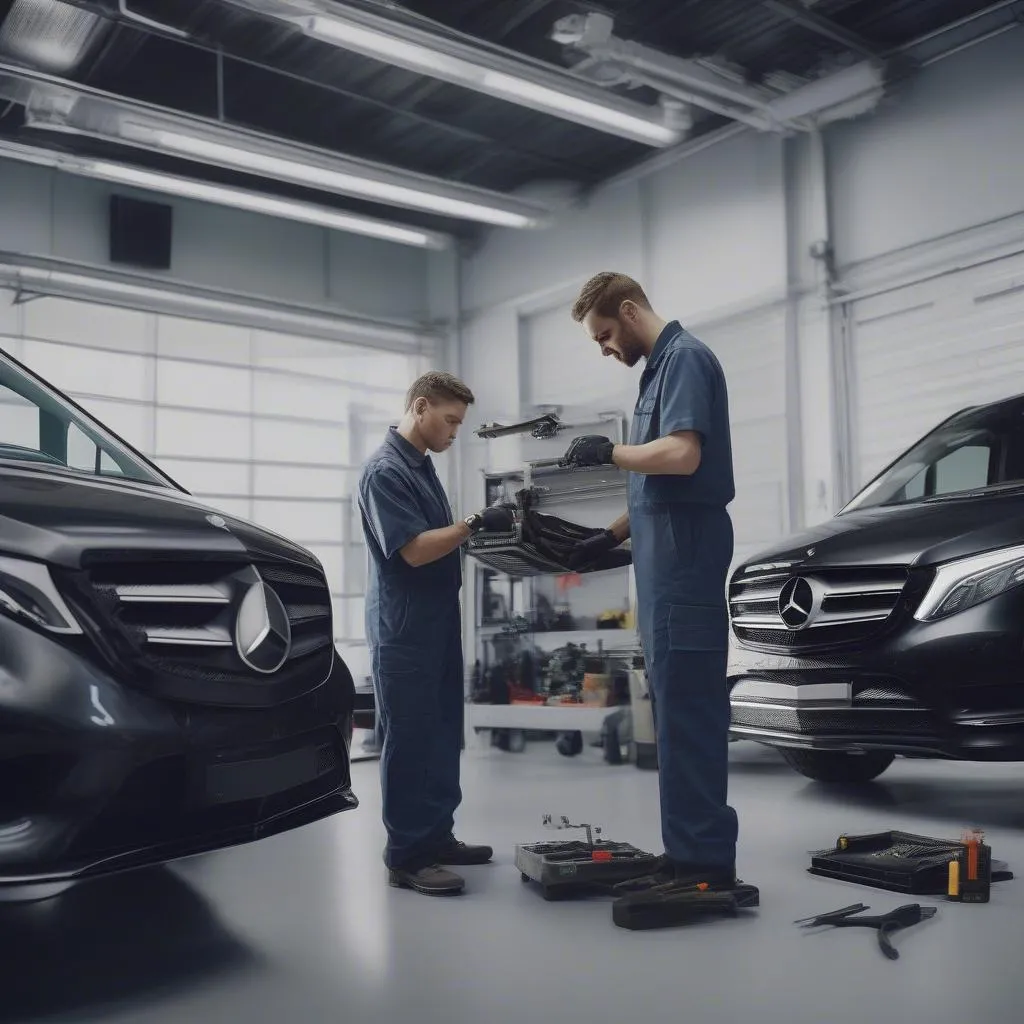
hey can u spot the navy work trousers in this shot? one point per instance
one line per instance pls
(681, 558)
(418, 682)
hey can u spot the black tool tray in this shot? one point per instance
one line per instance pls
(896, 861)
(565, 869)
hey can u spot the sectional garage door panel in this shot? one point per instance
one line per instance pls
(752, 350)
(923, 352)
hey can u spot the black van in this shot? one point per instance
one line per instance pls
(897, 627)
(169, 683)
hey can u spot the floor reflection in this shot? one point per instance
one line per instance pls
(962, 802)
(114, 941)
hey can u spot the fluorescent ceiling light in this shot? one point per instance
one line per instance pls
(223, 195)
(60, 106)
(560, 96)
(517, 79)
(272, 206)
(199, 148)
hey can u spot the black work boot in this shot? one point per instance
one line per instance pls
(451, 851)
(431, 880)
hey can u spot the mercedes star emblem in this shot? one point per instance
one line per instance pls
(263, 634)
(796, 603)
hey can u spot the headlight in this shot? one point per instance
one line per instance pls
(27, 591)
(969, 581)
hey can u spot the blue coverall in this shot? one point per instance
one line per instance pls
(682, 541)
(413, 629)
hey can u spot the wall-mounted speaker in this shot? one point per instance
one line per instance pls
(140, 233)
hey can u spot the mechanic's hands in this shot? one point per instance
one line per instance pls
(590, 550)
(589, 450)
(496, 519)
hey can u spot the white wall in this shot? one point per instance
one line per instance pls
(45, 213)
(943, 156)
(697, 233)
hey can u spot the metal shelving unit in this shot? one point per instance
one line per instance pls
(590, 497)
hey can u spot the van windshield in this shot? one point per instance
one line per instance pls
(41, 428)
(976, 450)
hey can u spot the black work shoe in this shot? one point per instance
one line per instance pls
(454, 852)
(431, 880)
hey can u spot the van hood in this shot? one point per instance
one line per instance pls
(918, 534)
(60, 518)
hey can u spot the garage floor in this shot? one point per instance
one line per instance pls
(302, 928)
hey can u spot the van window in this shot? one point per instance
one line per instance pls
(39, 426)
(972, 451)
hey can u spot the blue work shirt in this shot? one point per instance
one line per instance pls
(400, 497)
(683, 388)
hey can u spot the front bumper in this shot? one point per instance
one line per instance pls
(98, 777)
(949, 689)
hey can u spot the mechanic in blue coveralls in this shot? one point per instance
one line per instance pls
(414, 632)
(680, 482)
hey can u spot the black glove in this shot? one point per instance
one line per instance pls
(592, 549)
(589, 450)
(496, 519)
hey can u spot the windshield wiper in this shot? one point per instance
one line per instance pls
(22, 454)
(978, 492)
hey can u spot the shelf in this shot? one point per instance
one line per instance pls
(611, 639)
(541, 718)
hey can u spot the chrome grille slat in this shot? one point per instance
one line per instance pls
(171, 593)
(208, 636)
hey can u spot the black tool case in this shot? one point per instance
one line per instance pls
(565, 869)
(897, 861)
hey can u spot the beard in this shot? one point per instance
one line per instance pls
(631, 345)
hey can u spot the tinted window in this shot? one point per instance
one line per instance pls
(972, 451)
(38, 425)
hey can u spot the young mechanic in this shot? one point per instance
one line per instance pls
(679, 460)
(414, 632)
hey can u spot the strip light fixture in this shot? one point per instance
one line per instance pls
(545, 88)
(279, 161)
(224, 195)
(59, 106)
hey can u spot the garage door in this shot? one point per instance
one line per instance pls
(923, 352)
(563, 368)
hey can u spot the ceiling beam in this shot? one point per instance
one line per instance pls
(824, 27)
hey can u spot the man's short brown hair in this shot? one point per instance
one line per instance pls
(436, 386)
(605, 293)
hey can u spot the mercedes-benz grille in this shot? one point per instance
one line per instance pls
(245, 633)
(789, 610)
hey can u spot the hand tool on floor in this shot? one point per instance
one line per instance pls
(672, 904)
(885, 924)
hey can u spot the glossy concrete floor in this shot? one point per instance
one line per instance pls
(302, 929)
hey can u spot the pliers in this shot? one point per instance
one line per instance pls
(886, 924)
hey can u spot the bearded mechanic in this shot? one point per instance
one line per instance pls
(414, 632)
(679, 460)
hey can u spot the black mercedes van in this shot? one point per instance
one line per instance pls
(897, 627)
(169, 683)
